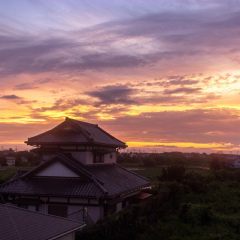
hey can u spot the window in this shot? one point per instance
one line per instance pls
(32, 207)
(98, 157)
(58, 210)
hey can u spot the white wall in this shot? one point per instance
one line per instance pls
(43, 208)
(80, 156)
(119, 207)
(83, 157)
(75, 213)
(87, 157)
(108, 159)
(94, 213)
(46, 157)
(57, 169)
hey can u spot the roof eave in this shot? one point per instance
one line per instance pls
(74, 143)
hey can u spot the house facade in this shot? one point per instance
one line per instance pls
(78, 177)
(11, 161)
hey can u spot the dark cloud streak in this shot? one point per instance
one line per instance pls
(10, 97)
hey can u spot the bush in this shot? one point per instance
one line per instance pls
(215, 164)
(196, 214)
(148, 162)
(174, 173)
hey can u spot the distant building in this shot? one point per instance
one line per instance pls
(11, 161)
(78, 178)
(232, 161)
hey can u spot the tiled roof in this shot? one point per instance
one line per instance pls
(75, 132)
(107, 180)
(117, 180)
(17, 223)
(52, 186)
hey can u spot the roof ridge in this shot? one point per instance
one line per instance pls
(110, 135)
(93, 178)
(53, 129)
(86, 123)
(94, 125)
(75, 125)
(84, 134)
(131, 172)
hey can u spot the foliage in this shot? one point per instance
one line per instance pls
(173, 173)
(164, 159)
(3, 161)
(7, 174)
(215, 164)
(32, 159)
(149, 173)
(201, 207)
(148, 162)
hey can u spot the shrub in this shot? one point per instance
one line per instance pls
(174, 173)
(196, 214)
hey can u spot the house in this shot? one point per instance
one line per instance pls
(18, 223)
(11, 161)
(232, 161)
(78, 177)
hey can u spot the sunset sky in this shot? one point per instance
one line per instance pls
(159, 75)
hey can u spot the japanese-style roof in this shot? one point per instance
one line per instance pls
(76, 132)
(53, 186)
(117, 180)
(96, 181)
(17, 223)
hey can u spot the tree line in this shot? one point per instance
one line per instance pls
(32, 159)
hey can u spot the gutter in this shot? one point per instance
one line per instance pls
(65, 233)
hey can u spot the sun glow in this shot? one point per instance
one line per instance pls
(180, 145)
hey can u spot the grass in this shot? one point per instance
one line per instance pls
(137, 164)
(149, 173)
(153, 172)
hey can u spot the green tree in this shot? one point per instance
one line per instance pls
(174, 173)
(215, 163)
(3, 161)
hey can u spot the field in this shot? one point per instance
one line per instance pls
(152, 173)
